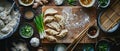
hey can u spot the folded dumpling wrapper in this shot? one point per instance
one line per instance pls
(49, 19)
(50, 11)
(51, 32)
(63, 33)
(50, 38)
(54, 25)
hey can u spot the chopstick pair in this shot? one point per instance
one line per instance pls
(79, 38)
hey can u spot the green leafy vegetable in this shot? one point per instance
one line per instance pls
(71, 2)
(103, 47)
(26, 31)
(103, 2)
(39, 24)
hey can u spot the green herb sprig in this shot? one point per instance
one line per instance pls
(40, 26)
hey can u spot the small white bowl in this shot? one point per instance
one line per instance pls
(60, 47)
(89, 5)
(26, 4)
(97, 33)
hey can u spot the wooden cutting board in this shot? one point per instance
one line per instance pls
(72, 32)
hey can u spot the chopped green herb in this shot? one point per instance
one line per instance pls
(103, 2)
(71, 2)
(26, 31)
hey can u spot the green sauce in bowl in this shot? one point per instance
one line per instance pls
(26, 31)
(104, 3)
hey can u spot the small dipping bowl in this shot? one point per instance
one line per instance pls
(87, 3)
(93, 32)
(104, 4)
(103, 45)
(26, 30)
(88, 47)
(60, 47)
(29, 14)
(26, 2)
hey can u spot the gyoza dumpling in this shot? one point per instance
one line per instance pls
(48, 19)
(1, 24)
(62, 23)
(3, 15)
(1, 9)
(9, 26)
(51, 32)
(63, 33)
(8, 19)
(12, 23)
(6, 29)
(60, 19)
(54, 25)
(50, 11)
(50, 38)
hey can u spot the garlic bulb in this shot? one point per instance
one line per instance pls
(34, 42)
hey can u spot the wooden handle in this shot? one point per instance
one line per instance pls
(79, 37)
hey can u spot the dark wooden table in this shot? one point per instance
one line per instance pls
(5, 44)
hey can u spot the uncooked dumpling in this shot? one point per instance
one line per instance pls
(6, 29)
(1, 9)
(63, 33)
(3, 15)
(8, 19)
(9, 26)
(51, 32)
(1, 24)
(50, 11)
(62, 23)
(48, 19)
(19, 47)
(12, 23)
(54, 25)
(58, 17)
(50, 38)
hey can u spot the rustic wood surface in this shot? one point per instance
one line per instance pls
(92, 11)
(72, 33)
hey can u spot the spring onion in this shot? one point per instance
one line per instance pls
(39, 24)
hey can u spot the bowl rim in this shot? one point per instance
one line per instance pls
(90, 5)
(59, 45)
(105, 5)
(24, 25)
(20, 2)
(99, 24)
(9, 34)
(105, 41)
(97, 33)
(29, 9)
(90, 45)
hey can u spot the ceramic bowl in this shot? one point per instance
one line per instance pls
(24, 4)
(60, 47)
(108, 3)
(93, 32)
(24, 25)
(88, 47)
(88, 5)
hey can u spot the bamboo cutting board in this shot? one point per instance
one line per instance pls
(111, 16)
(72, 31)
